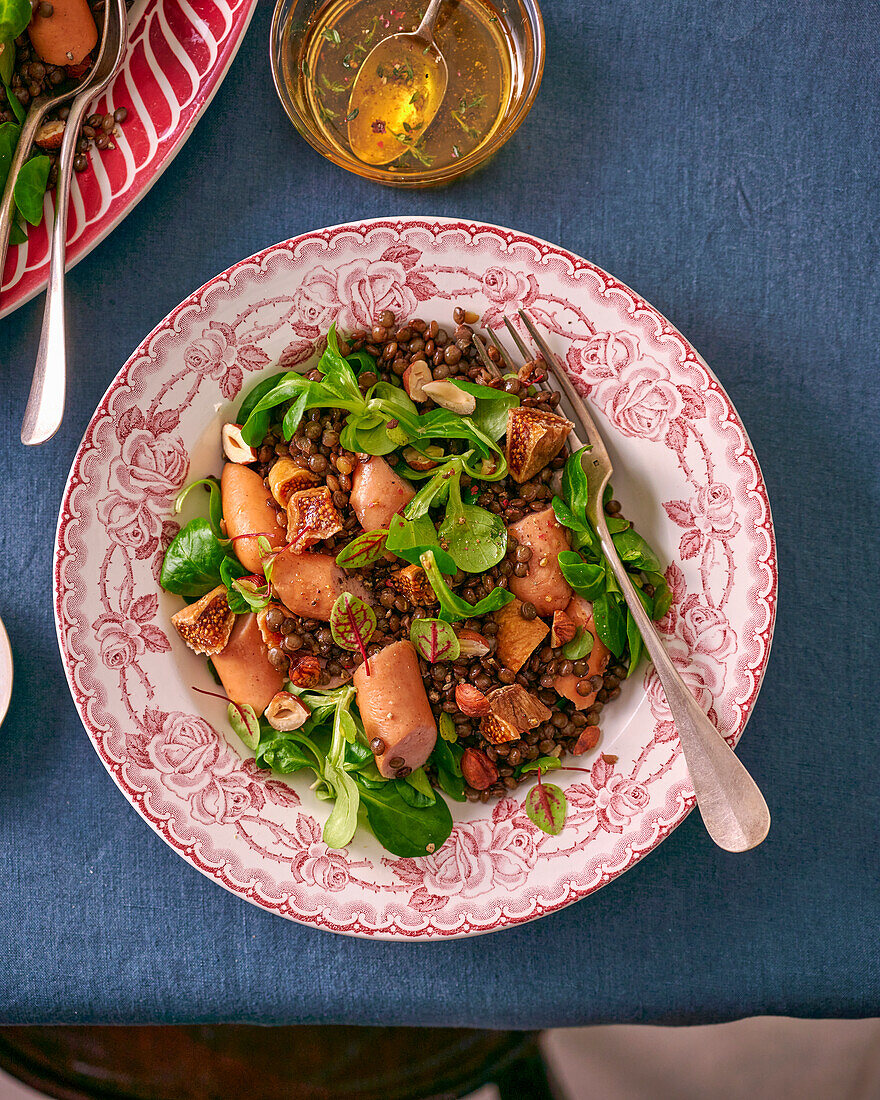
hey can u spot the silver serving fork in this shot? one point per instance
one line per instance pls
(45, 407)
(733, 809)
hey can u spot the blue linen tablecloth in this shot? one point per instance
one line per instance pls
(721, 159)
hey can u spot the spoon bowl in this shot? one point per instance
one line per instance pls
(397, 93)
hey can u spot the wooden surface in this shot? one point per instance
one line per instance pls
(269, 1063)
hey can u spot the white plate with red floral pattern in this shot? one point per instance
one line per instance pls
(686, 474)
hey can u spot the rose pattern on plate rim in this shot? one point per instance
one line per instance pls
(188, 779)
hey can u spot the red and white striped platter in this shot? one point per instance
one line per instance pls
(179, 52)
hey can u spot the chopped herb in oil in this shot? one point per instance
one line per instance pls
(470, 36)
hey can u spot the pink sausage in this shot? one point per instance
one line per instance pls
(67, 36)
(377, 493)
(310, 583)
(544, 585)
(244, 667)
(582, 613)
(395, 708)
(249, 508)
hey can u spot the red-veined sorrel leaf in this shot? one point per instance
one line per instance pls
(546, 805)
(363, 551)
(434, 640)
(242, 718)
(352, 623)
(245, 723)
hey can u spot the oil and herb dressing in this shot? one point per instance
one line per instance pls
(393, 122)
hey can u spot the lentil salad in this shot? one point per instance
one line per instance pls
(397, 586)
(45, 48)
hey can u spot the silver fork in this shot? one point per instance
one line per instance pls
(45, 407)
(733, 809)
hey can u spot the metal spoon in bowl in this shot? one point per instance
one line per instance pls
(397, 92)
(45, 407)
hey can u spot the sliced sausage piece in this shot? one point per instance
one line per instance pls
(309, 584)
(248, 508)
(67, 36)
(544, 585)
(394, 707)
(244, 667)
(582, 613)
(378, 494)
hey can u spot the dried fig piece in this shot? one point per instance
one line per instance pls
(517, 638)
(497, 731)
(205, 626)
(286, 478)
(311, 518)
(518, 707)
(534, 437)
(412, 582)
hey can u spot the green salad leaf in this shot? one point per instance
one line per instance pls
(379, 420)
(7, 63)
(415, 790)
(452, 607)
(634, 551)
(634, 641)
(475, 538)
(30, 187)
(587, 571)
(490, 415)
(447, 727)
(14, 18)
(285, 752)
(255, 395)
(446, 758)
(403, 829)
(215, 504)
(543, 765)
(10, 132)
(580, 646)
(230, 571)
(410, 538)
(352, 623)
(610, 622)
(340, 825)
(585, 578)
(18, 108)
(191, 566)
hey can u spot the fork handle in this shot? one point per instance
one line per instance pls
(732, 807)
(45, 407)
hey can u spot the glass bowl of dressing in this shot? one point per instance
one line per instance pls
(495, 57)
